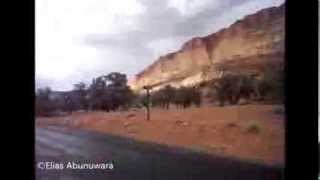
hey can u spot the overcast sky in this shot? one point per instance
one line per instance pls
(77, 40)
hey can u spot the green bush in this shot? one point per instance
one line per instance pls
(253, 128)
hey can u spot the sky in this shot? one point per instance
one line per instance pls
(77, 40)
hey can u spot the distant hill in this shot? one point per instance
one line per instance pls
(245, 46)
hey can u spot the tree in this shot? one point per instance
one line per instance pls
(186, 96)
(225, 88)
(163, 97)
(147, 100)
(196, 97)
(110, 92)
(231, 87)
(119, 92)
(168, 95)
(69, 103)
(80, 92)
(98, 96)
(271, 85)
(44, 105)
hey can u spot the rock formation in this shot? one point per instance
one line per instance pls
(244, 46)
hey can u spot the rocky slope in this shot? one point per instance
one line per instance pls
(244, 46)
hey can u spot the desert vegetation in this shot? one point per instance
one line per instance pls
(182, 114)
(107, 93)
(250, 132)
(268, 86)
(111, 93)
(182, 97)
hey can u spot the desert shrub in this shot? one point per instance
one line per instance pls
(232, 124)
(253, 128)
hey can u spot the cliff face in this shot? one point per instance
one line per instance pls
(246, 44)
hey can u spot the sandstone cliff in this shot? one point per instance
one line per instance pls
(245, 45)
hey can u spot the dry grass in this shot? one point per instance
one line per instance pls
(226, 131)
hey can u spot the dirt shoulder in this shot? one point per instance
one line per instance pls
(251, 132)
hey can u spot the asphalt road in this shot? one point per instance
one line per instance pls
(134, 160)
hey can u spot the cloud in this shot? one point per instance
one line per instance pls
(80, 39)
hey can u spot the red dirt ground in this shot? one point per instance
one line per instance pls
(249, 132)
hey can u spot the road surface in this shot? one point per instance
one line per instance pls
(134, 160)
